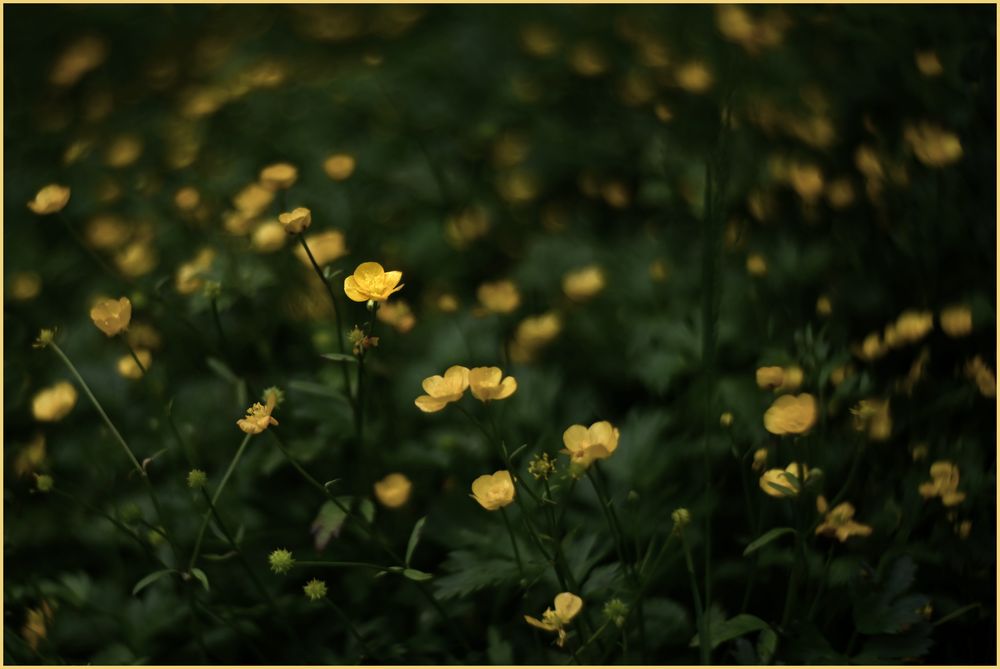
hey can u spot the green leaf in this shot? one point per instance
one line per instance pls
(339, 357)
(149, 579)
(200, 575)
(222, 370)
(329, 522)
(767, 538)
(767, 643)
(411, 545)
(733, 628)
(417, 575)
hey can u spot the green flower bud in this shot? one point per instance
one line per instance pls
(43, 482)
(196, 479)
(681, 518)
(315, 589)
(281, 561)
(616, 611)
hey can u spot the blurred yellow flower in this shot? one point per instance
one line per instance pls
(253, 200)
(944, 484)
(137, 259)
(123, 151)
(583, 283)
(447, 303)
(81, 56)
(840, 193)
(494, 491)
(325, 247)
(956, 321)
(130, 370)
(279, 176)
(295, 221)
(441, 390)
(488, 383)
(31, 456)
(189, 278)
(187, 198)
(759, 459)
(769, 378)
(694, 76)
(339, 166)
(933, 146)
(807, 180)
(839, 521)
(53, 403)
(756, 265)
(112, 316)
(499, 297)
(912, 326)
(872, 416)
(106, 231)
(737, 25)
(536, 331)
(791, 414)
(985, 379)
(584, 445)
(790, 486)
(371, 282)
(824, 307)
(49, 199)
(268, 237)
(588, 60)
(567, 606)
(24, 286)
(726, 419)
(258, 417)
(928, 63)
(538, 40)
(466, 226)
(36, 624)
(871, 348)
(393, 491)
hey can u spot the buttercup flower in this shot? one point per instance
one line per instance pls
(442, 390)
(872, 416)
(393, 491)
(50, 199)
(129, 369)
(759, 459)
(567, 606)
(533, 333)
(726, 419)
(933, 145)
(371, 282)
(770, 377)
(253, 200)
(542, 466)
(583, 283)
(112, 316)
(791, 414)
(911, 326)
(985, 379)
(189, 277)
(756, 265)
(487, 384)
(871, 348)
(397, 314)
(296, 220)
(268, 237)
(956, 321)
(584, 445)
(928, 63)
(325, 247)
(789, 487)
(499, 297)
(53, 403)
(339, 166)
(494, 491)
(259, 416)
(839, 521)
(25, 286)
(279, 176)
(943, 484)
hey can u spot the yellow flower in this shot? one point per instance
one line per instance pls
(780, 477)
(466, 226)
(499, 297)
(984, 377)
(532, 333)
(31, 457)
(279, 176)
(726, 419)
(50, 199)
(567, 606)
(189, 277)
(823, 306)
(393, 491)
(494, 491)
(839, 521)
(756, 265)
(928, 63)
(130, 370)
(339, 166)
(584, 445)
(441, 390)
(397, 314)
(259, 416)
(933, 145)
(36, 625)
(769, 378)
(371, 282)
(112, 316)
(53, 403)
(956, 321)
(123, 151)
(253, 200)
(268, 237)
(791, 379)
(791, 414)
(759, 459)
(911, 326)
(25, 286)
(296, 221)
(807, 180)
(447, 303)
(136, 259)
(840, 193)
(587, 60)
(872, 416)
(694, 77)
(81, 56)
(872, 348)
(187, 198)
(487, 384)
(583, 283)
(944, 484)
(106, 231)
(325, 247)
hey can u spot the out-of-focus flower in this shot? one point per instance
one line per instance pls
(189, 278)
(142, 335)
(128, 368)
(839, 521)
(325, 246)
(694, 76)
(912, 326)
(785, 482)
(791, 414)
(956, 321)
(583, 283)
(442, 390)
(393, 491)
(137, 259)
(123, 151)
(588, 60)
(567, 606)
(681, 518)
(466, 226)
(296, 220)
(517, 186)
(753, 34)
(80, 57)
(339, 166)
(769, 378)
(112, 316)
(253, 200)
(726, 419)
(928, 63)
(919, 451)
(106, 231)
(488, 384)
(944, 484)
(933, 145)
(398, 315)
(494, 491)
(840, 193)
(756, 265)
(50, 199)
(279, 176)
(31, 456)
(36, 623)
(871, 348)
(824, 307)
(872, 416)
(584, 445)
(53, 403)
(538, 40)
(187, 198)
(615, 194)
(964, 529)
(371, 282)
(977, 370)
(315, 589)
(24, 286)
(268, 237)
(659, 271)
(759, 459)
(807, 180)
(499, 297)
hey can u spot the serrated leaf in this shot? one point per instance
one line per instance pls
(411, 545)
(202, 578)
(149, 579)
(767, 538)
(417, 575)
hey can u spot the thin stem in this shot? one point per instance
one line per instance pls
(335, 564)
(704, 650)
(513, 542)
(215, 499)
(350, 626)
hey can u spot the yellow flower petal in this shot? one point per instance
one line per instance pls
(352, 291)
(429, 404)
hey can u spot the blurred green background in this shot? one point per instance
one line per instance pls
(725, 168)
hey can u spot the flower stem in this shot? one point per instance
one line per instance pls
(350, 626)
(704, 649)
(513, 542)
(215, 499)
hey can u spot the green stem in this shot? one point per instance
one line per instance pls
(215, 500)
(121, 527)
(327, 563)
(513, 542)
(336, 312)
(350, 626)
(704, 648)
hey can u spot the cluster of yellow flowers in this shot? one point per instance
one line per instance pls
(486, 383)
(909, 328)
(780, 379)
(585, 445)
